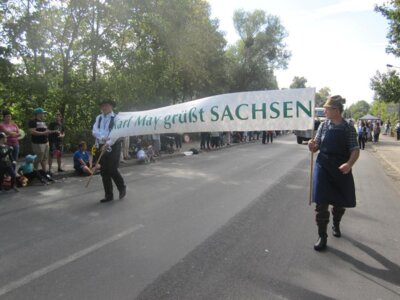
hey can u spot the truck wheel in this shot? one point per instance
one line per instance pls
(299, 140)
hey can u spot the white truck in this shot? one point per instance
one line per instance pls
(305, 135)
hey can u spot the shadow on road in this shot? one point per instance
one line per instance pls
(390, 274)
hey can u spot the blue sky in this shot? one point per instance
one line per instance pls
(338, 44)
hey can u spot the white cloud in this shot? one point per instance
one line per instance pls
(347, 6)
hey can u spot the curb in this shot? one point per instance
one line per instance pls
(387, 161)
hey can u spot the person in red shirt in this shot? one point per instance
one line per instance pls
(12, 132)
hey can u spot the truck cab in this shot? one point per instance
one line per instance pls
(306, 135)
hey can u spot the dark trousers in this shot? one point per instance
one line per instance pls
(204, 140)
(270, 136)
(361, 141)
(322, 217)
(109, 171)
(178, 141)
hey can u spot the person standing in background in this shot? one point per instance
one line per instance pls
(362, 134)
(56, 140)
(12, 132)
(40, 142)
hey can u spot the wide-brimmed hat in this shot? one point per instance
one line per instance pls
(335, 102)
(30, 158)
(39, 110)
(108, 101)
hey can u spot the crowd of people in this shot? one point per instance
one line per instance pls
(370, 130)
(46, 141)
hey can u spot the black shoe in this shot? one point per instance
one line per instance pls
(321, 244)
(49, 178)
(106, 200)
(336, 231)
(122, 193)
(60, 170)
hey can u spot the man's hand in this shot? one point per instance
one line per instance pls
(104, 140)
(312, 146)
(345, 168)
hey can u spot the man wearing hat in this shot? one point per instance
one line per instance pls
(333, 182)
(111, 152)
(40, 142)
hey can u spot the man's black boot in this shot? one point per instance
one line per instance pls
(122, 193)
(322, 219)
(337, 213)
(336, 229)
(107, 198)
(321, 243)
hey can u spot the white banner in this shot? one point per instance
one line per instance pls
(245, 111)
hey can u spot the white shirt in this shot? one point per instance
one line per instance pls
(141, 155)
(103, 132)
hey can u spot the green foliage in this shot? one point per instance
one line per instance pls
(358, 109)
(321, 96)
(386, 86)
(298, 83)
(260, 51)
(391, 10)
(380, 109)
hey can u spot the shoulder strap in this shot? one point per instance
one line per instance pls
(110, 125)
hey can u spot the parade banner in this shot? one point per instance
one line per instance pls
(246, 111)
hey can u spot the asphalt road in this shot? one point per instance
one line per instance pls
(228, 224)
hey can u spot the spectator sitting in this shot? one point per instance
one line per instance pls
(141, 156)
(82, 160)
(150, 153)
(26, 168)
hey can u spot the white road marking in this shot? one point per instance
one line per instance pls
(58, 264)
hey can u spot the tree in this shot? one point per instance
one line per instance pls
(144, 54)
(386, 86)
(321, 96)
(391, 11)
(358, 109)
(260, 50)
(298, 83)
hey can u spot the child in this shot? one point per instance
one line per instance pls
(141, 156)
(7, 163)
(26, 168)
(81, 160)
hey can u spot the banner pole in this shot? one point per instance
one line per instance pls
(311, 172)
(94, 169)
(312, 159)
